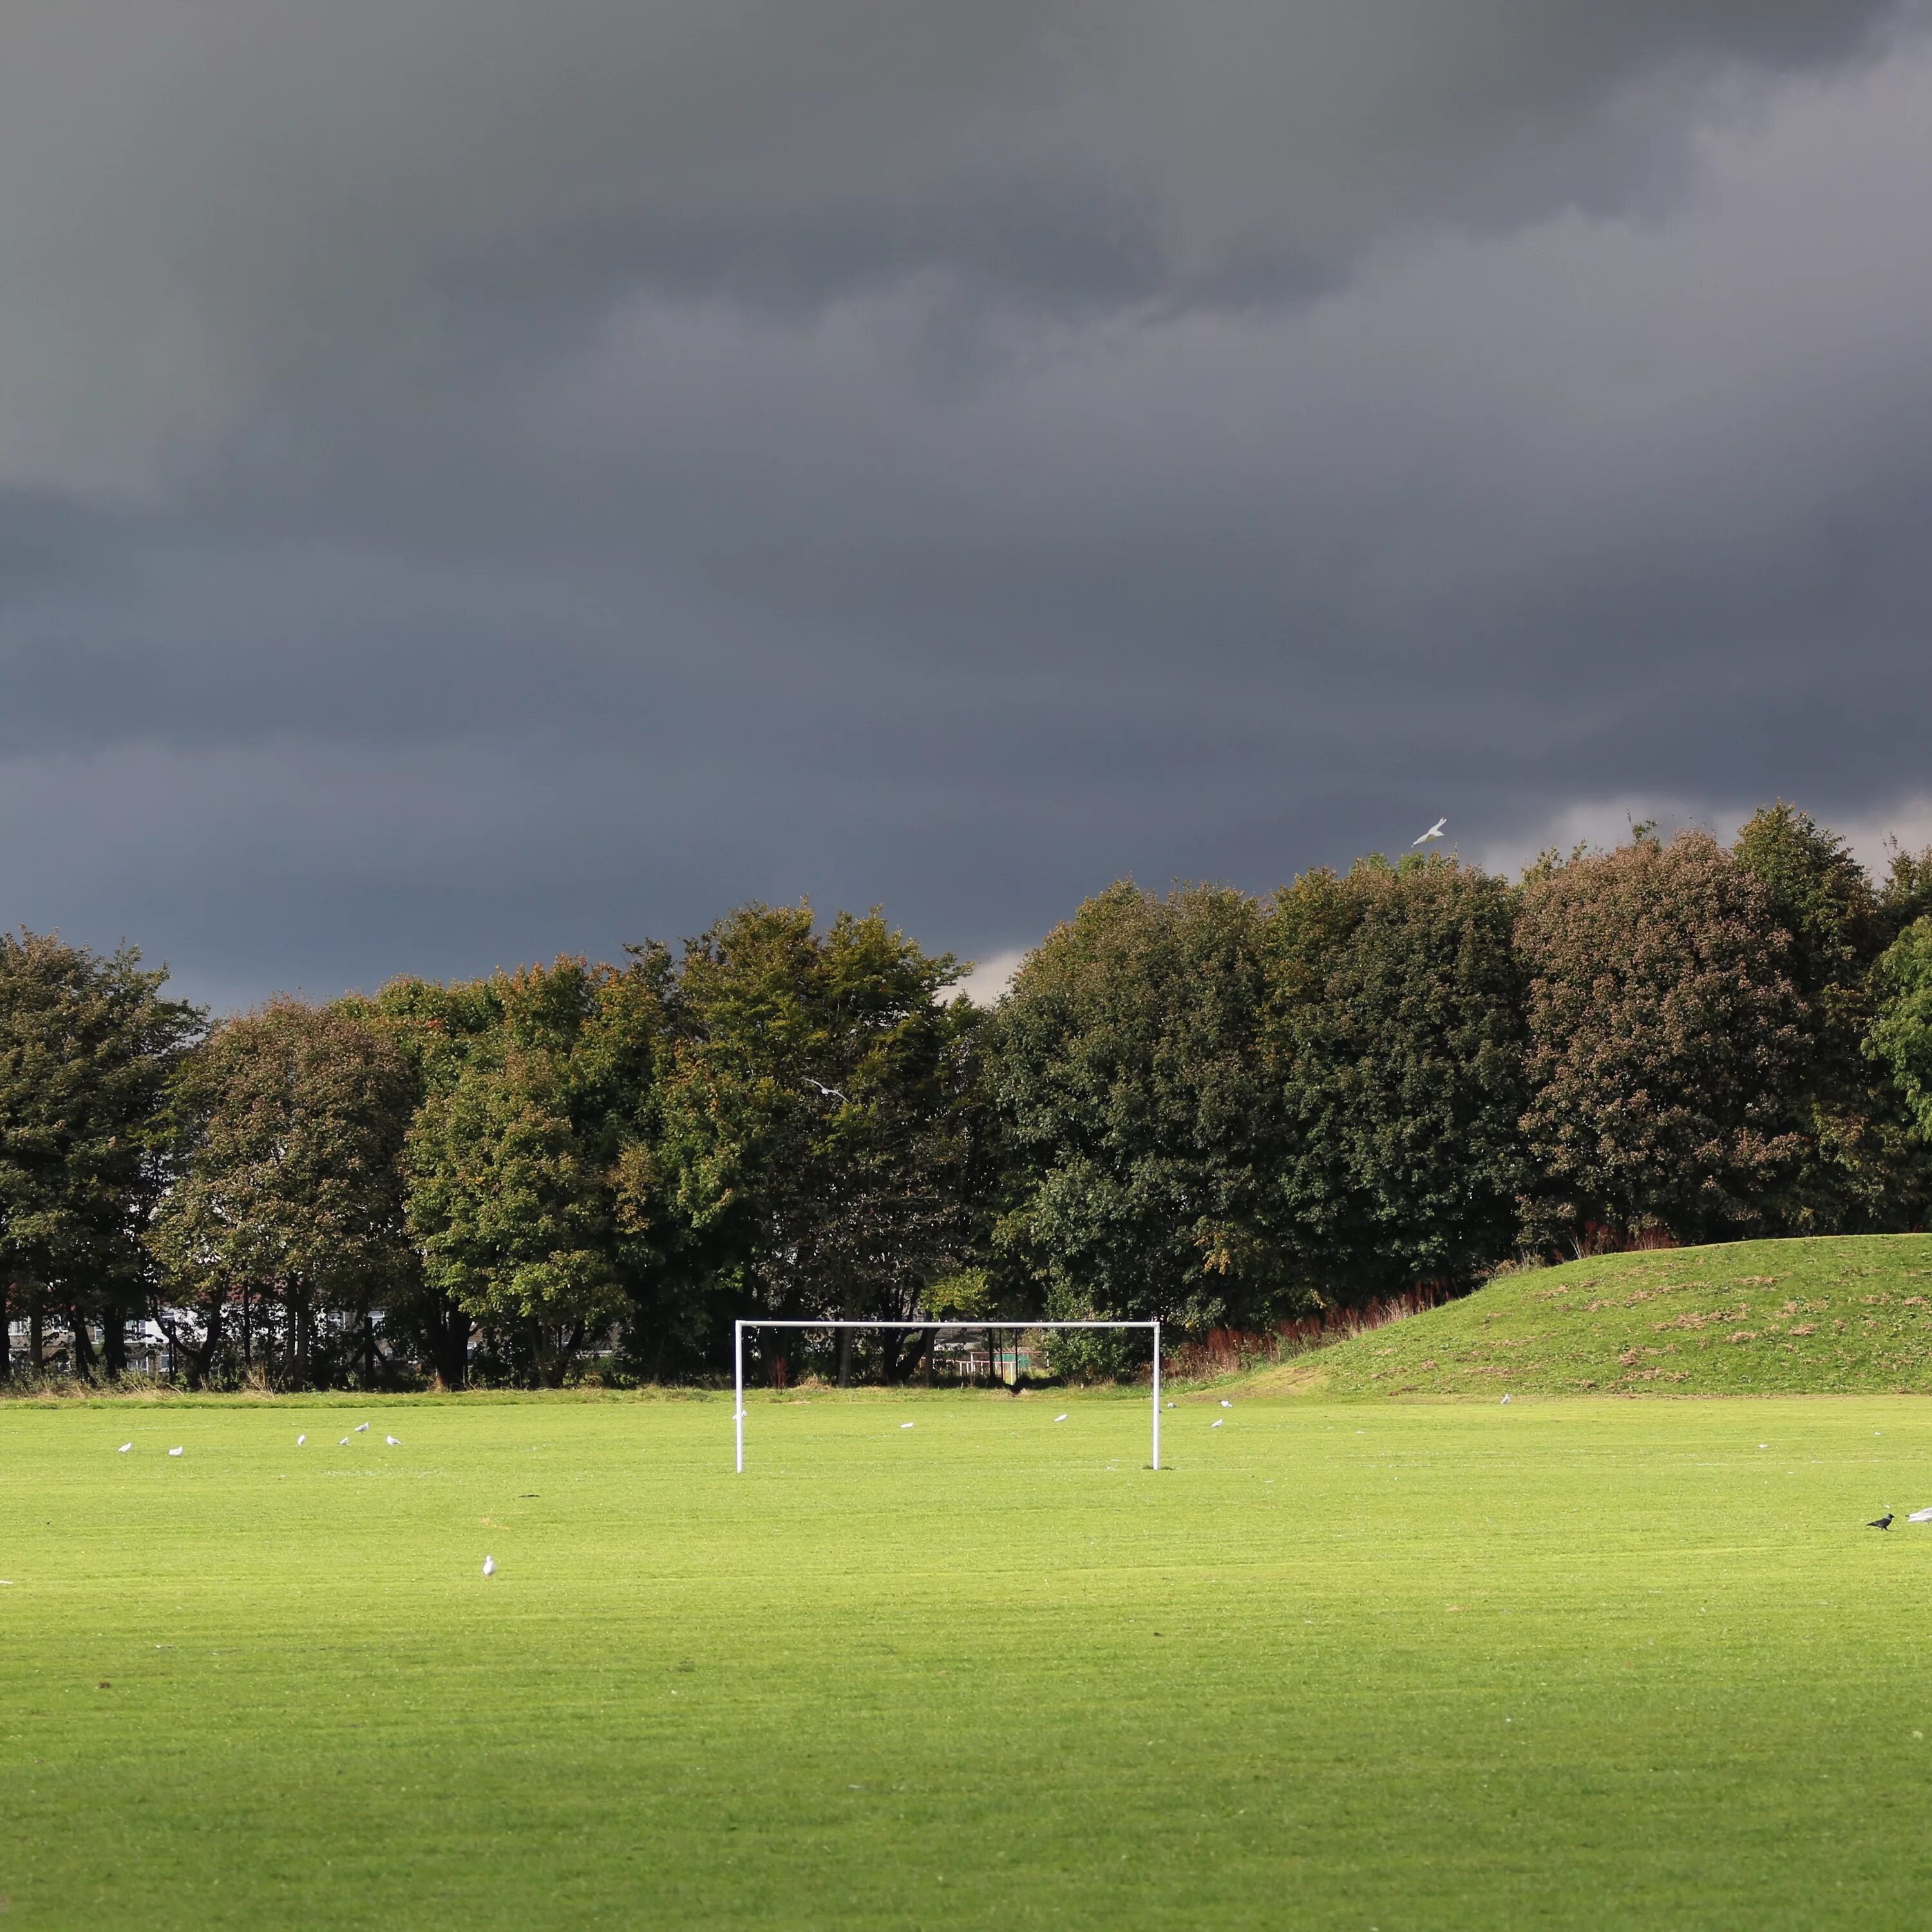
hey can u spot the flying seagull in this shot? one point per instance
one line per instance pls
(1920, 1516)
(830, 1093)
(1434, 832)
(1883, 1523)
(489, 1566)
(123, 1448)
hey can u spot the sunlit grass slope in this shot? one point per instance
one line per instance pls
(1578, 1664)
(1834, 1316)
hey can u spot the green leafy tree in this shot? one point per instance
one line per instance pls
(291, 1200)
(1858, 1167)
(1395, 1036)
(1665, 1030)
(1900, 1039)
(1143, 1135)
(822, 1149)
(89, 1046)
(540, 1085)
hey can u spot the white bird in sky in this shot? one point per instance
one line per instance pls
(361, 1428)
(123, 1448)
(174, 1452)
(1920, 1516)
(830, 1093)
(394, 1442)
(1434, 832)
(489, 1566)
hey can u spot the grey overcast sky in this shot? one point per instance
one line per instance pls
(478, 479)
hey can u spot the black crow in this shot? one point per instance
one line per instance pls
(1883, 1523)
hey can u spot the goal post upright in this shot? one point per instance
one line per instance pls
(738, 1328)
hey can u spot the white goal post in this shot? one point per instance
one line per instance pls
(1025, 1328)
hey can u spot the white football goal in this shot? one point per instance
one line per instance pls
(738, 1329)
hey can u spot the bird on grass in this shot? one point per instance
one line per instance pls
(1060, 1418)
(1217, 1422)
(1225, 1403)
(394, 1442)
(905, 1425)
(123, 1448)
(1920, 1516)
(300, 1440)
(343, 1443)
(1883, 1523)
(1434, 832)
(489, 1566)
(362, 1429)
(174, 1452)
(1505, 1399)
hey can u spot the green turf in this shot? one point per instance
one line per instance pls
(1794, 1317)
(1586, 1663)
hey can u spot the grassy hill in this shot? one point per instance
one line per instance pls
(1750, 1318)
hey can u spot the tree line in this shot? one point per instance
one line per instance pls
(1221, 1110)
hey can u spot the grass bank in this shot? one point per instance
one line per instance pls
(1838, 1315)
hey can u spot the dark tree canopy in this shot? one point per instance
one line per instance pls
(1394, 1034)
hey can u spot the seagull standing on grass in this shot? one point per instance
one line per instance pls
(1060, 1418)
(1434, 832)
(394, 1442)
(174, 1452)
(489, 1566)
(1217, 1422)
(362, 1429)
(905, 1425)
(300, 1440)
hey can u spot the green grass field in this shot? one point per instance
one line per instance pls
(1795, 1317)
(1345, 1664)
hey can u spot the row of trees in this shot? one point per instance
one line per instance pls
(1219, 1110)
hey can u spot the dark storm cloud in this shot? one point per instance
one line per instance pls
(479, 479)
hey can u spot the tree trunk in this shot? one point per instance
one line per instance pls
(845, 1358)
(446, 1333)
(8, 1293)
(85, 1361)
(114, 1341)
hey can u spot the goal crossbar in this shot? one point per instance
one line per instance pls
(738, 1329)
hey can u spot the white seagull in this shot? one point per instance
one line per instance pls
(489, 1566)
(830, 1093)
(300, 1440)
(1225, 1403)
(1434, 832)
(1920, 1516)
(174, 1452)
(344, 1443)
(1505, 1398)
(1217, 1422)
(361, 1428)
(123, 1448)
(905, 1425)
(1060, 1418)
(394, 1442)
